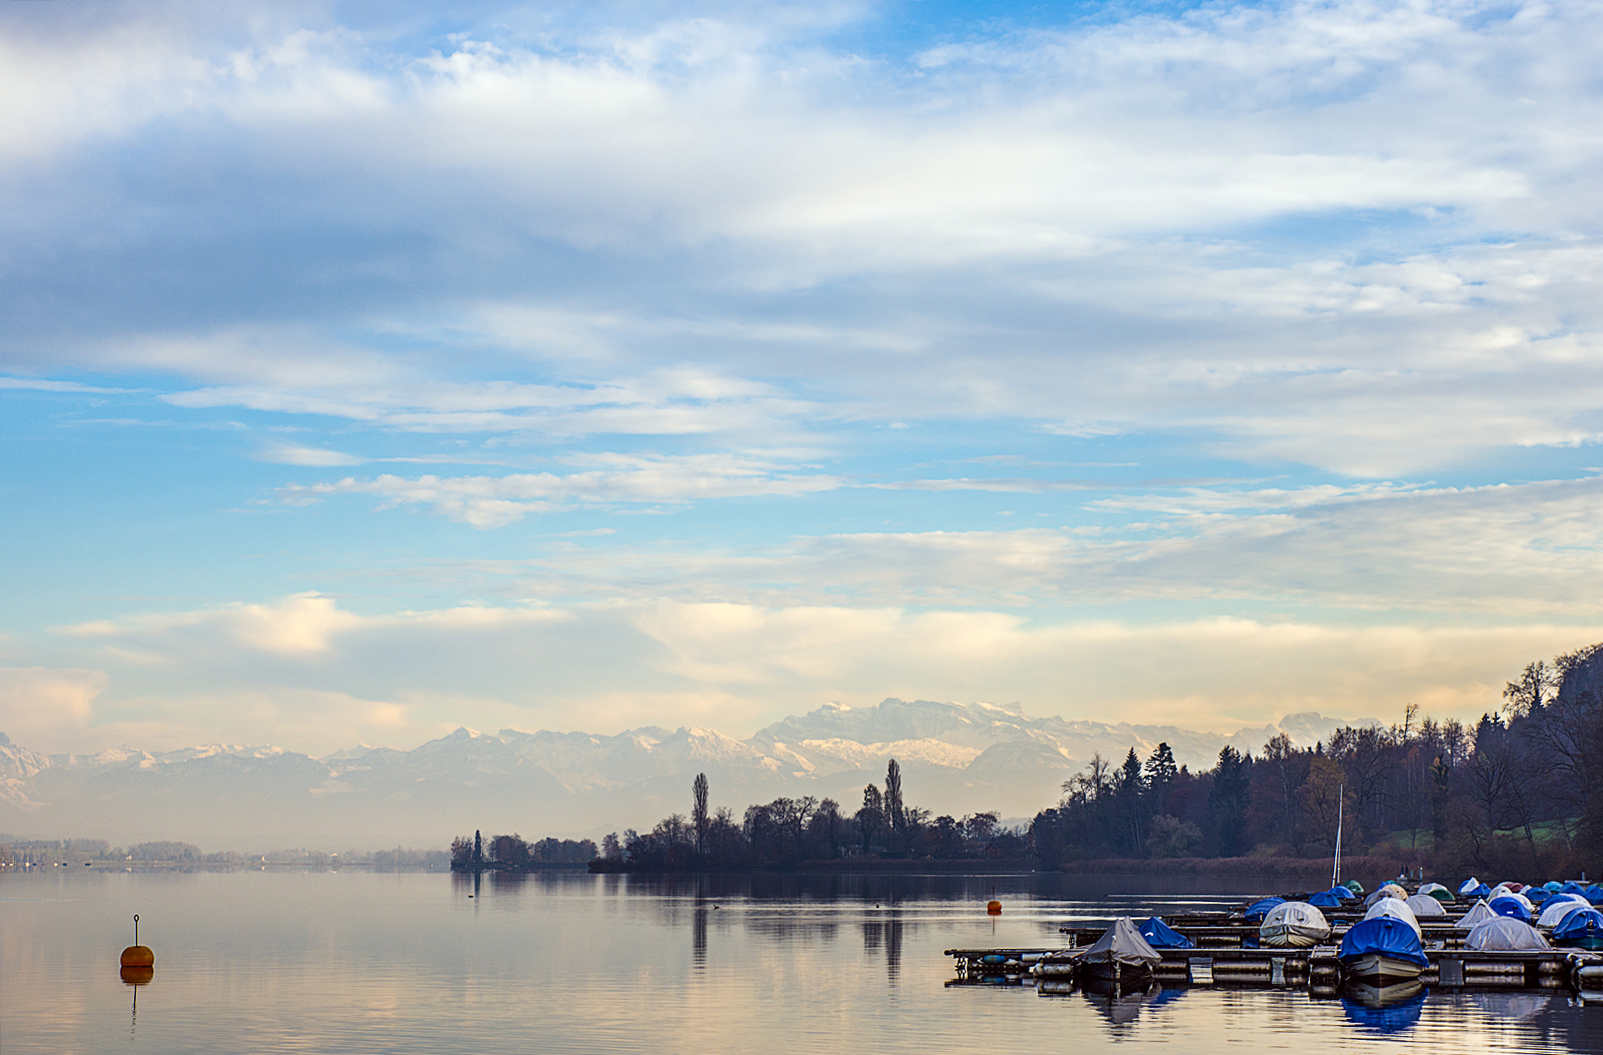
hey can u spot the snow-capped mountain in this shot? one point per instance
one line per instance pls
(956, 758)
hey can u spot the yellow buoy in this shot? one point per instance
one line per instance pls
(137, 955)
(993, 908)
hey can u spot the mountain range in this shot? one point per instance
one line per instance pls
(956, 758)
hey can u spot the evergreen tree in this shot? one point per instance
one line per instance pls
(1227, 801)
(895, 812)
(871, 818)
(698, 811)
(1160, 772)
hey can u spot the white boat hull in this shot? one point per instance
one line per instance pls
(1279, 938)
(1380, 969)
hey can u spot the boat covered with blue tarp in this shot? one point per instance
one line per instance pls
(1160, 935)
(1581, 929)
(1382, 950)
(1512, 907)
(1259, 909)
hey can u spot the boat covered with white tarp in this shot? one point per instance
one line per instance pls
(1559, 906)
(1296, 924)
(1394, 908)
(1423, 906)
(1505, 935)
(1385, 891)
(1478, 913)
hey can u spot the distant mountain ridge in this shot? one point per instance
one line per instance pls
(956, 758)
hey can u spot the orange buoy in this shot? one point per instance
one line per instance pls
(137, 955)
(993, 908)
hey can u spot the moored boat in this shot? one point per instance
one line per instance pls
(1423, 906)
(1295, 925)
(1582, 929)
(1121, 953)
(1256, 911)
(1160, 935)
(1505, 934)
(1560, 906)
(1478, 913)
(1382, 950)
(1392, 908)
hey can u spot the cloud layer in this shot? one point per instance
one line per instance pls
(1357, 236)
(305, 669)
(973, 359)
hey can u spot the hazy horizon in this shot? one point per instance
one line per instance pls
(956, 760)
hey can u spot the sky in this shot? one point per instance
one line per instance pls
(373, 369)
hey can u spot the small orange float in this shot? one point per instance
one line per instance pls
(993, 908)
(137, 955)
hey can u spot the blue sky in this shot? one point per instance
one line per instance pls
(374, 369)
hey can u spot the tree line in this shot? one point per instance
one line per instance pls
(512, 853)
(788, 831)
(1518, 790)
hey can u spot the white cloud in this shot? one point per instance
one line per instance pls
(495, 501)
(299, 625)
(307, 456)
(395, 678)
(1074, 227)
(1529, 551)
(346, 383)
(48, 709)
(39, 384)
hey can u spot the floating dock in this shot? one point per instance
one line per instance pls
(1316, 968)
(1227, 954)
(1237, 935)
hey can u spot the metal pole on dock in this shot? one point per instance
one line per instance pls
(1341, 802)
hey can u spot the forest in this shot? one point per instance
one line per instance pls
(1519, 790)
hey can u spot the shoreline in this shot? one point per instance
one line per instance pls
(1212, 867)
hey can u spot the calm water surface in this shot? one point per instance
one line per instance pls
(352, 962)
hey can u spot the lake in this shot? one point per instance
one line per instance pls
(565, 962)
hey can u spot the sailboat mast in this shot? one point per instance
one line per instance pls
(1341, 802)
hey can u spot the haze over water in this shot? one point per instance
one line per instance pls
(358, 962)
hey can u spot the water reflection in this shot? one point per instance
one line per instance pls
(1384, 1008)
(571, 963)
(1511, 1007)
(135, 978)
(886, 932)
(1121, 1005)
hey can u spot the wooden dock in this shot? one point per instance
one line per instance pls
(1317, 969)
(1225, 935)
(1227, 954)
